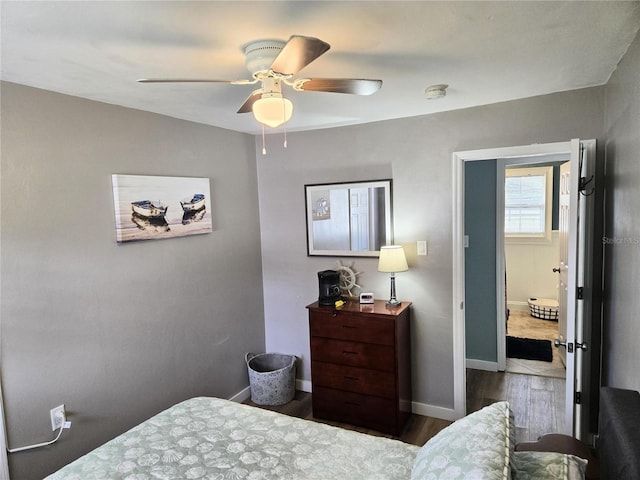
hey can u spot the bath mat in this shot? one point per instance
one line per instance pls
(529, 349)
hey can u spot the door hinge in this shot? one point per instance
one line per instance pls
(578, 398)
(580, 293)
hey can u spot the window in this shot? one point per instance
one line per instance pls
(527, 199)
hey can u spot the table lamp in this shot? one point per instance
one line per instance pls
(392, 260)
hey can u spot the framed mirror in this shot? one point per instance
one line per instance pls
(348, 219)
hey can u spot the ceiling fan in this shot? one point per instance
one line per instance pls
(275, 62)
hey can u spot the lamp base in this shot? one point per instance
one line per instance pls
(393, 301)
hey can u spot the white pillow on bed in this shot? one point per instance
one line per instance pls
(478, 446)
(537, 465)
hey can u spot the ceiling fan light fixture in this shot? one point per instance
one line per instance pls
(272, 109)
(260, 54)
(275, 62)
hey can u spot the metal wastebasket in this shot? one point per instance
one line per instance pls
(272, 377)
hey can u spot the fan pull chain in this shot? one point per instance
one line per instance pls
(264, 147)
(284, 127)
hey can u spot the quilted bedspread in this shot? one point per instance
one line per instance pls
(215, 439)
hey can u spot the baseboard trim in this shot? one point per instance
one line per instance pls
(304, 385)
(518, 306)
(433, 411)
(482, 365)
(242, 395)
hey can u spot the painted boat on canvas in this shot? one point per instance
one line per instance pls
(193, 216)
(150, 224)
(196, 203)
(149, 209)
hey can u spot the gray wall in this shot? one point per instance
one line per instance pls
(416, 153)
(116, 332)
(73, 328)
(622, 227)
(481, 328)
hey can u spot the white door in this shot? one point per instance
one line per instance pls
(4, 461)
(359, 218)
(564, 223)
(576, 244)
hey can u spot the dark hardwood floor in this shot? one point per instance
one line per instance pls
(537, 404)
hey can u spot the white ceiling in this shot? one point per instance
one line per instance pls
(486, 51)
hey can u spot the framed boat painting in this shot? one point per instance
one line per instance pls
(153, 208)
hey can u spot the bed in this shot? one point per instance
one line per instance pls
(211, 438)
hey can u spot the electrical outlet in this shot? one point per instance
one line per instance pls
(421, 247)
(58, 416)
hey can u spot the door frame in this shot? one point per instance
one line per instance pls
(4, 460)
(459, 158)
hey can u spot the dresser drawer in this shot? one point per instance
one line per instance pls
(353, 379)
(354, 354)
(372, 412)
(345, 326)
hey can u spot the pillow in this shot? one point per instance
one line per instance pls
(478, 446)
(537, 465)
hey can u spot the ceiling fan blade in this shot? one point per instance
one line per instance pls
(251, 99)
(354, 86)
(193, 80)
(297, 53)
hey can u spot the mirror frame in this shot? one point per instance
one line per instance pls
(310, 189)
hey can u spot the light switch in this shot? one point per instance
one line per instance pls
(466, 241)
(422, 247)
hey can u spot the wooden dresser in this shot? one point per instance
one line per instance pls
(361, 364)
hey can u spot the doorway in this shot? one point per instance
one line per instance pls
(531, 252)
(531, 247)
(582, 158)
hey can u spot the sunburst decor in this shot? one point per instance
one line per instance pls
(348, 278)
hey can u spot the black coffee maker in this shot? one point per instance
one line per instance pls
(329, 284)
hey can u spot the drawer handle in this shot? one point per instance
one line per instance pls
(353, 404)
(352, 379)
(348, 326)
(347, 352)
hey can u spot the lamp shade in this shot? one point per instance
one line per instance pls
(272, 109)
(392, 259)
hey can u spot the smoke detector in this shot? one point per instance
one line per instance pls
(436, 91)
